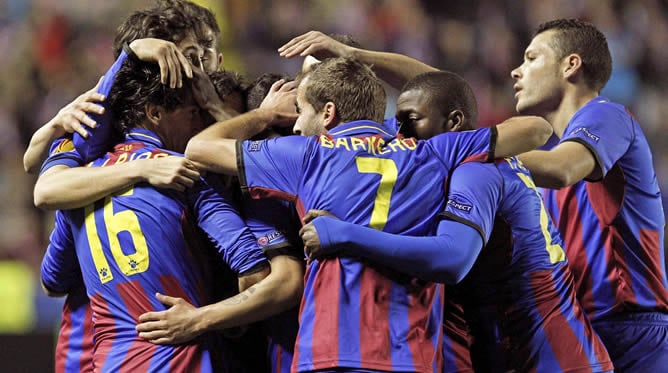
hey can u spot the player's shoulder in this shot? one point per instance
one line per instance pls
(601, 109)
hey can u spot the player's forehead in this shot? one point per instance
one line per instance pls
(541, 43)
(301, 89)
(412, 100)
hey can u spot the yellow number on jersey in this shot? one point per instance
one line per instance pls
(388, 177)
(115, 223)
(556, 251)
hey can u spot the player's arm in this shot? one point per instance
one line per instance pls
(64, 187)
(448, 257)
(444, 258)
(214, 149)
(278, 291)
(395, 69)
(60, 267)
(562, 166)
(72, 118)
(521, 134)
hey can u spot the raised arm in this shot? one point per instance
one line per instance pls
(396, 69)
(72, 118)
(521, 134)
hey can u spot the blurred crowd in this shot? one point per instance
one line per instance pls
(53, 50)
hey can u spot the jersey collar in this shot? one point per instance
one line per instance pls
(362, 128)
(138, 134)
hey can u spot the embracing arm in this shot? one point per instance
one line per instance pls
(62, 187)
(521, 134)
(444, 258)
(564, 165)
(278, 291)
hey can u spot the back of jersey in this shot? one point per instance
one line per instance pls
(355, 314)
(130, 246)
(522, 282)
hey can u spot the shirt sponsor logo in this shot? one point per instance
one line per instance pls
(267, 239)
(254, 146)
(586, 132)
(459, 205)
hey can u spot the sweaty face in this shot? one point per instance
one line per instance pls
(179, 125)
(418, 118)
(201, 50)
(539, 84)
(309, 122)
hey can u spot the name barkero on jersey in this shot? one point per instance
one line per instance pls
(372, 144)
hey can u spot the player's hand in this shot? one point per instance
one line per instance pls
(170, 59)
(309, 235)
(281, 100)
(316, 44)
(73, 117)
(172, 326)
(169, 172)
(313, 213)
(207, 97)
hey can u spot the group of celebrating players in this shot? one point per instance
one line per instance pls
(187, 210)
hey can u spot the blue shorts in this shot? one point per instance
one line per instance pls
(636, 342)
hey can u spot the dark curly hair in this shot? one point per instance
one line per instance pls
(137, 84)
(167, 20)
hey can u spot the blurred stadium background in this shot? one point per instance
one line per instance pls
(53, 50)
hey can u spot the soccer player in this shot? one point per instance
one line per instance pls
(164, 34)
(519, 286)
(74, 348)
(603, 192)
(275, 225)
(355, 316)
(132, 244)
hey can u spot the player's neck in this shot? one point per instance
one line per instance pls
(573, 100)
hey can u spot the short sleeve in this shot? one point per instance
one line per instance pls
(605, 129)
(272, 168)
(100, 138)
(275, 224)
(62, 152)
(455, 148)
(474, 194)
(60, 267)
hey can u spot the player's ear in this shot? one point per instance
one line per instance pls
(154, 113)
(329, 115)
(220, 60)
(571, 65)
(454, 121)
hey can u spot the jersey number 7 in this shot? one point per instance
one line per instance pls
(388, 177)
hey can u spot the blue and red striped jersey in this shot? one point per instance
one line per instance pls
(520, 284)
(131, 245)
(276, 225)
(613, 227)
(74, 347)
(353, 314)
